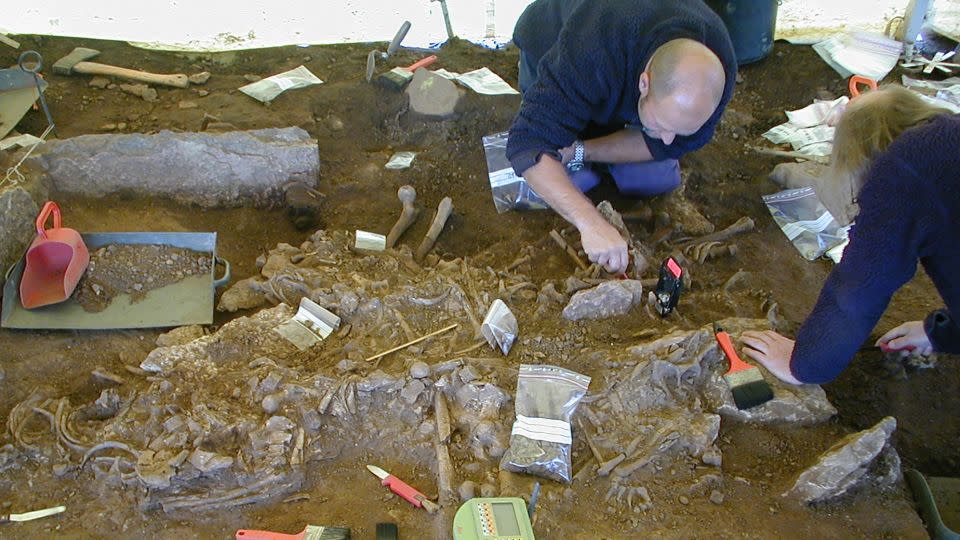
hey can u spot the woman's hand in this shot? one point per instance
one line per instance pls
(773, 351)
(909, 336)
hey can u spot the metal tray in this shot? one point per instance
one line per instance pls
(188, 301)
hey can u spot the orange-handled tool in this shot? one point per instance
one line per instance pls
(726, 344)
(312, 532)
(857, 80)
(403, 489)
(423, 62)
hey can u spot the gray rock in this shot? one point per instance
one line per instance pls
(488, 490)
(199, 78)
(419, 370)
(378, 381)
(716, 497)
(312, 422)
(99, 82)
(270, 382)
(800, 405)
(17, 215)
(412, 391)
(244, 294)
(180, 336)
(432, 97)
(140, 90)
(609, 299)
(467, 490)
(207, 169)
(843, 466)
(207, 462)
(271, 403)
(712, 457)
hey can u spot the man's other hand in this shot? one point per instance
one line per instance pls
(604, 246)
(909, 336)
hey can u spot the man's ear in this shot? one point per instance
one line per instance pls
(644, 84)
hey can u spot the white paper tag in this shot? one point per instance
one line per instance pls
(370, 241)
(542, 429)
(499, 326)
(400, 160)
(283, 82)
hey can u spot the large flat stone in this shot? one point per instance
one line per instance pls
(207, 169)
(609, 299)
(843, 466)
(432, 96)
(18, 212)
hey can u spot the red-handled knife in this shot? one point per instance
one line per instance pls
(403, 489)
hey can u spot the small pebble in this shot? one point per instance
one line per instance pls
(467, 490)
(419, 370)
(252, 78)
(684, 500)
(270, 404)
(138, 286)
(716, 497)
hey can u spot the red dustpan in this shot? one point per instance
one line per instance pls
(56, 261)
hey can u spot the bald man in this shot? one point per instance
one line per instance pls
(626, 85)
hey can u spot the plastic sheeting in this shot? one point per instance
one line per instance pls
(246, 24)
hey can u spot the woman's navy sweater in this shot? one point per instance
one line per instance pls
(909, 211)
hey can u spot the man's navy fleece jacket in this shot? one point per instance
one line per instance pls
(909, 210)
(591, 54)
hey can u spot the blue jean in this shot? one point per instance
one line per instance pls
(640, 179)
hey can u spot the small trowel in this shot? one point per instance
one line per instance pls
(36, 514)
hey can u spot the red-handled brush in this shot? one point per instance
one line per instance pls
(746, 382)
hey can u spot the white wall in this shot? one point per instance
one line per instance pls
(232, 24)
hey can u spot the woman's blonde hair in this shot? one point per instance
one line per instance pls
(866, 129)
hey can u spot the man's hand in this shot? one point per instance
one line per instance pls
(909, 336)
(604, 246)
(773, 351)
(566, 155)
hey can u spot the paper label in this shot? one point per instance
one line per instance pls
(542, 429)
(283, 82)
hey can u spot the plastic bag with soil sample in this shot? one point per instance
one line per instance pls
(547, 397)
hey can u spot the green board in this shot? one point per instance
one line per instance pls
(497, 518)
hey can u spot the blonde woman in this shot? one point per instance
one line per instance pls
(897, 159)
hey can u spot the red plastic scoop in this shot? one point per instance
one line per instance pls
(56, 261)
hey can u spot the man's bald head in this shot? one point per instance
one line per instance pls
(685, 79)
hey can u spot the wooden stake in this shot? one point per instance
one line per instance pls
(6, 40)
(414, 342)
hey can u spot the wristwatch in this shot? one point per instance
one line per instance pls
(576, 163)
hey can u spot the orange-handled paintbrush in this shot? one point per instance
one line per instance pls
(746, 382)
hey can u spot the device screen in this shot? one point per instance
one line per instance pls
(506, 519)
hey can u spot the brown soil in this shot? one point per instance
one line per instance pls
(134, 270)
(358, 127)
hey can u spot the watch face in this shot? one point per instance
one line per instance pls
(574, 166)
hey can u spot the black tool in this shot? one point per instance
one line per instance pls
(669, 286)
(387, 531)
(32, 62)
